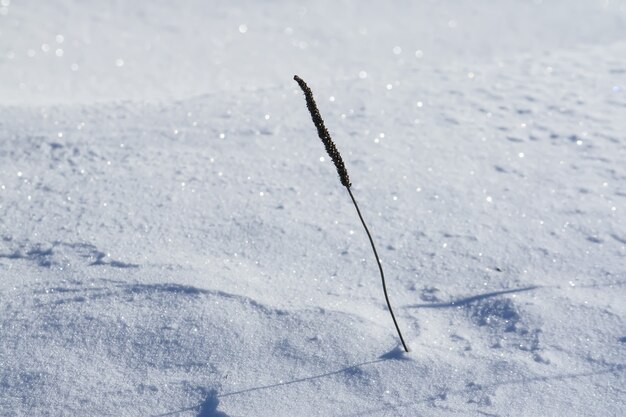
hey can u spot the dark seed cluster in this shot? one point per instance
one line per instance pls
(323, 132)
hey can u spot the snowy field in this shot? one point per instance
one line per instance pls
(174, 240)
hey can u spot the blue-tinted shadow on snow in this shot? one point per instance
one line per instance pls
(50, 255)
(474, 388)
(167, 287)
(101, 260)
(468, 300)
(347, 370)
(396, 353)
(207, 408)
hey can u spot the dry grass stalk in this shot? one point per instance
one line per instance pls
(334, 154)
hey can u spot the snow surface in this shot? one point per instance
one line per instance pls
(175, 242)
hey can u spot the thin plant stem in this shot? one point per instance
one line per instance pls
(380, 268)
(334, 154)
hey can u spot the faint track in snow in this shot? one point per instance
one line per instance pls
(60, 253)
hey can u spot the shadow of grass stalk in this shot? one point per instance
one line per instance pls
(335, 156)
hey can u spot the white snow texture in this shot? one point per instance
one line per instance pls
(174, 241)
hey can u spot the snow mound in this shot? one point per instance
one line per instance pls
(174, 239)
(171, 348)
